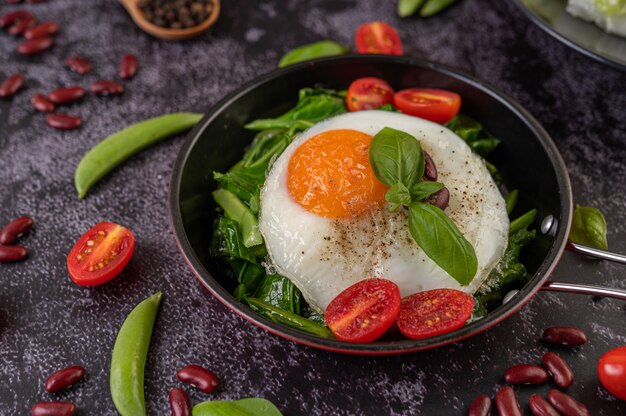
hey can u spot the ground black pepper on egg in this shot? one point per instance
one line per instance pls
(176, 14)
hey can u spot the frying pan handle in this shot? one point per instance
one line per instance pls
(596, 252)
(584, 289)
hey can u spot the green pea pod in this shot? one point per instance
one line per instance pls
(407, 8)
(312, 51)
(129, 358)
(251, 406)
(433, 7)
(113, 150)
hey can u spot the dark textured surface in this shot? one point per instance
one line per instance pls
(47, 322)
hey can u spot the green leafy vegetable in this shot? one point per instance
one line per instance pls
(589, 227)
(245, 407)
(422, 190)
(312, 51)
(522, 222)
(473, 133)
(239, 212)
(398, 194)
(396, 156)
(408, 7)
(442, 241)
(287, 318)
(278, 291)
(511, 200)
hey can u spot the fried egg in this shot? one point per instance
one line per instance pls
(326, 224)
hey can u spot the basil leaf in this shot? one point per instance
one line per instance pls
(442, 241)
(423, 190)
(312, 51)
(398, 194)
(589, 227)
(245, 407)
(407, 8)
(395, 157)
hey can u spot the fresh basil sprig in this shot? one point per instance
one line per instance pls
(589, 227)
(397, 160)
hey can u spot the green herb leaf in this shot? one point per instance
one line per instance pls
(423, 190)
(312, 51)
(395, 157)
(407, 8)
(238, 211)
(245, 407)
(589, 227)
(389, 107)
(442, 241)
(277, 290)
(398, 194)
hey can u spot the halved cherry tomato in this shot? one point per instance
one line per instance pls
(364, 311)
(378, 37)
(368, 94)
(612, 372)
(432, 104)
(100, 254)
(433, 312)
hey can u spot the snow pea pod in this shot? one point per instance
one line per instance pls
(113, 150)
(433, 7)
(129, 358)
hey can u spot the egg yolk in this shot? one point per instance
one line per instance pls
(330, 175)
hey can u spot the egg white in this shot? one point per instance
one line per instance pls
(322, 257)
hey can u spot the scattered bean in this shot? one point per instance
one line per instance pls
(559, 370)
(35, 46)
(540, 407)
(12, 253)
(41, 103)
(12, 1)
(564, 335)
(79, 65)
(430, 170)
(481, 406)
(179, 402)
(19, 27)
(15, 229)
(64, 378)
(526, 374)
(199, 377)
(106, 87)
(566, 404)
(11, 85)
(53, 409)
(12, 17)
(506, 402)
(63, 121)
(440, 199)
(65, 95)
(41, 30)
(128, 66)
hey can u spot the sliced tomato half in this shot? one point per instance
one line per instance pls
(364, 311)
(100, 254)
(431, 104)
(434, 312)
(378, 37)
(368, 94)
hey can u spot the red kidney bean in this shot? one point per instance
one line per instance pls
(12, 1)
(106, 87)
(430, 170)
(506, 402)
(19, 27)
(35, 46)
(128, 66)
(440, 199)
(526, 374)
(42, 29)
(78, 64)
(559, 370)
(566, 404)
(15, 229)
(481, 406)
(11, 17)
(540, 407)
(63, 121)
(53, 409)
(179, 402)
(199, 377)
(564, 335)
(64, 378)
(12, 253)
(65, 95)
(35, 1)
(11, 85)
(41, 103)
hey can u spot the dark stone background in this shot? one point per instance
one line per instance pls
(47, 322)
